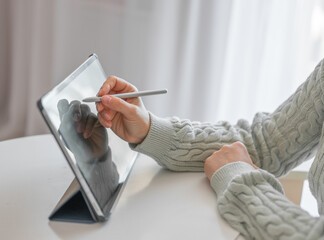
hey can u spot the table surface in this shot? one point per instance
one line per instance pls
(155, 204)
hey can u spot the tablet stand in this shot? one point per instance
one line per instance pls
(72, 207)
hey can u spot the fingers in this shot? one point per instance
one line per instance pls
(118, 105)
(112, 106)
(104, 122)
(90, 125)
(81, 123)
(117, 85)
(63, 107)
(75, 109)
(86, 124)
(78, 113)
(68, 111)
(111, 86)
(99, 106)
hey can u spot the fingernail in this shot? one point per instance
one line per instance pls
(106, 100)
(99, 106)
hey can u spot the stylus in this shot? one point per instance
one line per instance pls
(128, 95)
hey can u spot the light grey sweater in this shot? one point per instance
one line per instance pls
(250, 200)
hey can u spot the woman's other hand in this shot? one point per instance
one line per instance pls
(128, 117)
(235, 152)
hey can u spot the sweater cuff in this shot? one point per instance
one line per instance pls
(158, 139)
(223, 176)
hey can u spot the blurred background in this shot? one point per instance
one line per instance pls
(220, 60)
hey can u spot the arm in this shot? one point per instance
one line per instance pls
(254, 205)
(252, 200)
(181, 145)
(276, 142)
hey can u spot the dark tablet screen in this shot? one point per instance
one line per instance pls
(99, 159)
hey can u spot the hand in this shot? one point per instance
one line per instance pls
(235, 152)
(81, 131)
(128, 117)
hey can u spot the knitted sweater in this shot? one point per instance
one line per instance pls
(250, 200)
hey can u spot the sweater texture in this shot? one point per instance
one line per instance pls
(252, 201)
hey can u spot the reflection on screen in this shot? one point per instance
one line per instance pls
(103, 159)
(87, 139)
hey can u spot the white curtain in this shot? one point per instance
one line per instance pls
(220, 60)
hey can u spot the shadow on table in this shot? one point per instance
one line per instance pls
(161, 204)
(154, 200)
(67, 230)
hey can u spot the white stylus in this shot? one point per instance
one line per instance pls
(128, 95)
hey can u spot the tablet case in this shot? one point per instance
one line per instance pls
(73, 206)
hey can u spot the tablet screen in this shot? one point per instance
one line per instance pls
(100, 160)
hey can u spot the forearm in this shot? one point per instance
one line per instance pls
(181, 145)
(276, 142)
(251, 201)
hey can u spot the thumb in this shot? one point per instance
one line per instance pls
(118, 105)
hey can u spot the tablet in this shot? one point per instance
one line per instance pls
(100, 161)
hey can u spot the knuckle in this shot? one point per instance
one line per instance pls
(111, 81)
(216, 153)
(212, 156)
(225, 148)
(111, 78)
(239, 145)
(133, 110)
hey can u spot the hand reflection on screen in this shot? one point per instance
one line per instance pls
(87, 139)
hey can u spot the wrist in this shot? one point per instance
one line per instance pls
(224, 175)
(158, 140)
(146, 128)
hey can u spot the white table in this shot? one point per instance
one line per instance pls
(156, 203)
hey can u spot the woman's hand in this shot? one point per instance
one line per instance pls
(235, 152)
(128, 117)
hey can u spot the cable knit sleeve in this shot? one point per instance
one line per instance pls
(181, 145)
(251, 201)
(276, 142)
